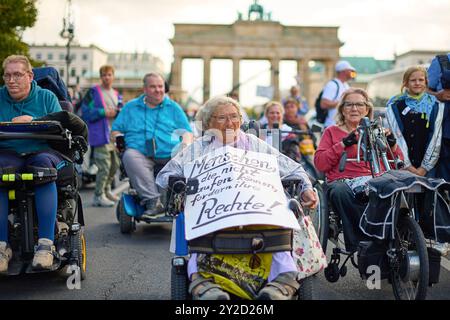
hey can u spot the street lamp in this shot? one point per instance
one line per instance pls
(68, 32)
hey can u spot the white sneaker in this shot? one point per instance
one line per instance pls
(5, 256)
(43, 257)
(110, 196)
(102, 201)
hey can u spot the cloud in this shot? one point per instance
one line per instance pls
(367, 27)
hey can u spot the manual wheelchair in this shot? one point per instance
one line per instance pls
(396, 244)
(223, 242)
(129, 211)
(70, 242)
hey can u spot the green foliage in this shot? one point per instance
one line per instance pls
(15, 17)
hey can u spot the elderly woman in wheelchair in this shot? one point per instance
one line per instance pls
(338, 142)
(221, 120)
(378, 206)
(38, 189)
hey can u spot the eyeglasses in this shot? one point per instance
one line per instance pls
(350, 105)
(15, 76)
(232, 117)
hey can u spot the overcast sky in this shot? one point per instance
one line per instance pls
(367, 27)
(377, 28)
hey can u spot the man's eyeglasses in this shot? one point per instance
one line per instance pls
(350, 105)
(15, 76)
(232, 117)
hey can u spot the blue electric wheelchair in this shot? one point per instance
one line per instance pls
(129, 211)
(70, 242)
(226, 242)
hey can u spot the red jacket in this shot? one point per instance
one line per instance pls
(329, 153)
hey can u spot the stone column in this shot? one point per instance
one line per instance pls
(329, 69)
(275, 78)
(176, 73)
(206, 78)
(303, 71)
(236, 75)
(175, 78)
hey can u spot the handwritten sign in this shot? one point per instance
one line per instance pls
(236, 188)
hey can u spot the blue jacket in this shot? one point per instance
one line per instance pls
(39, 102)
(165, 123)
(93, 113)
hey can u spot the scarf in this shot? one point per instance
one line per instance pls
(422, 103)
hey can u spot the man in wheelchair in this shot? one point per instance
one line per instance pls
(221, 119)
(22, 101)
(343, 184)
(149, 124)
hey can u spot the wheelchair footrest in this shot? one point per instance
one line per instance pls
(243, 241)
(56, 265)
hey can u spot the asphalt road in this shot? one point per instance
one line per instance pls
(137, 267)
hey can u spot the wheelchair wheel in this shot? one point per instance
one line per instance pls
(319, 216)
(409, 266)
(307, 286)
(118, 212)
(78, 244)
(179, 283)
(125, 221)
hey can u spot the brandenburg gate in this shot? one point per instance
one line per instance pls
(257, 38)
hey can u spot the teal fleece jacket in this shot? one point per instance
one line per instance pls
(39, 102)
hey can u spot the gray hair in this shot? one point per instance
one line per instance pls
(152, 74)
(204, 114)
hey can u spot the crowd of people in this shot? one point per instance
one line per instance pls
(157, 131)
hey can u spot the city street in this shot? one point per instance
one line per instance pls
(137, 266)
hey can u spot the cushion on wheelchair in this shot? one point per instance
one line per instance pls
(243, 241)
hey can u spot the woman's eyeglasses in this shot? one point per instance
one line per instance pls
(350, 105)
(232, 117)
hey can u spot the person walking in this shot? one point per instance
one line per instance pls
(334, 89)
(99, 108)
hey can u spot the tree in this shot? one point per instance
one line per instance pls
(15, 17)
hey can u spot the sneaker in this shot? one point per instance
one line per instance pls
(5, 256)
(153, 209)
(102, 201)
(110, 196)
(283, 287)
(43, 256)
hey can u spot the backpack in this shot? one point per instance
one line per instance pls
(445, 69)
(321, 114)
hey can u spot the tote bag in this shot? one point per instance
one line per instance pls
(307, 251)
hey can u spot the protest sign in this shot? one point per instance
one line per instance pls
(236, 188)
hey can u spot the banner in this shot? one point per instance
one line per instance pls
(266, 92)
(236, 188)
